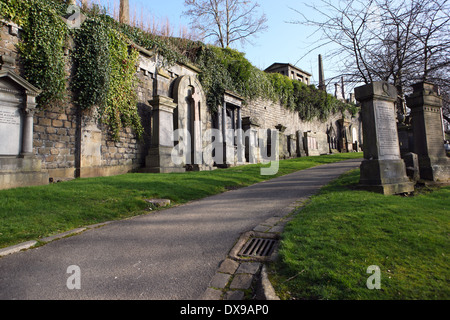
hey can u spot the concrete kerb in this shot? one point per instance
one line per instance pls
(154, 203)
(32, 243)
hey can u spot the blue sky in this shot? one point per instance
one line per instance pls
(282, 42)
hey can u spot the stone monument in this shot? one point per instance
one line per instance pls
(18, 164)
(382, 169)
(426, 111)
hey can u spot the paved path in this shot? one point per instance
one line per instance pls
(171, 254)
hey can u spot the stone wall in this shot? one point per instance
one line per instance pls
(70, 143)
(268, 115)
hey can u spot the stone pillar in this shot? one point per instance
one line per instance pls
(251, 129)
(27, 138)
(159, 159)
(428, 133)
(382, 169)
(18, 165)
(224, 133)
(240, 138)
(196, 132)
(301, 144)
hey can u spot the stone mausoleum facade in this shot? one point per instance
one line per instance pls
(38, 146)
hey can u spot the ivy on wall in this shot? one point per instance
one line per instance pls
(42, 45)
(104, 62)
(105, 66)
(120, 109)
(105, 75)
(227, 69)
(91, 58)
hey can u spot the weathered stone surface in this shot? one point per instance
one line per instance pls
(220, 280)
(158, 202)
(242, 281)
(248, 267)
(228, 266)
(382, 170)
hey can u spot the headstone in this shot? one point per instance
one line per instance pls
(190, 101)
(412, 165)
(251, 129)
(282, 142)
(124, 12)
(382, 169)
(322, 85)
(292, 145)
(301, 150)
(426, 111)
(230, 119)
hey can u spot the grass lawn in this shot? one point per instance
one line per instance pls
(35, 212)
(327, 248)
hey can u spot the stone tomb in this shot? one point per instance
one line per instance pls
(382, 169)
(316, 143)
(426, 111)
(18, 166)
(230, 124)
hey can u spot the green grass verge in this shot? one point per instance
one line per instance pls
(327, 248)
(35, 212)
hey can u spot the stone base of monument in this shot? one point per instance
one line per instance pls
(19, 172)
(385, 176)
(435, 169)
(159, 160)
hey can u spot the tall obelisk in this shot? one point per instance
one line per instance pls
(322, 85)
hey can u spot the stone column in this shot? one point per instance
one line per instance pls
(124, 13)
(382, 169)
(159, 158)
(240, 141)
(224, 133)
(322, 85)
(426, 105)
(27, 138)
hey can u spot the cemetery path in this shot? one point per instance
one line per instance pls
(168, 255)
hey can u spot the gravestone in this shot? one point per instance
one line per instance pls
(292, 145)
(345, 139)
(18, 164)
(426, 112)
(159, 158)
(251, 129)
(382, 169)
(230, 124)
(301, 150)
(311, 146)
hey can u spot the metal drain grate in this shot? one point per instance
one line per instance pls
(258, 247)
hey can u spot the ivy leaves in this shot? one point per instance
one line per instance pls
(227, 69)
(92, 64)
(120, 109)
(105, 75)
(42, 48)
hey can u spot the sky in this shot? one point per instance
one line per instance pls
(283, 41)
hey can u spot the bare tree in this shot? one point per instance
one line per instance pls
(401, 41)
(226, 21)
